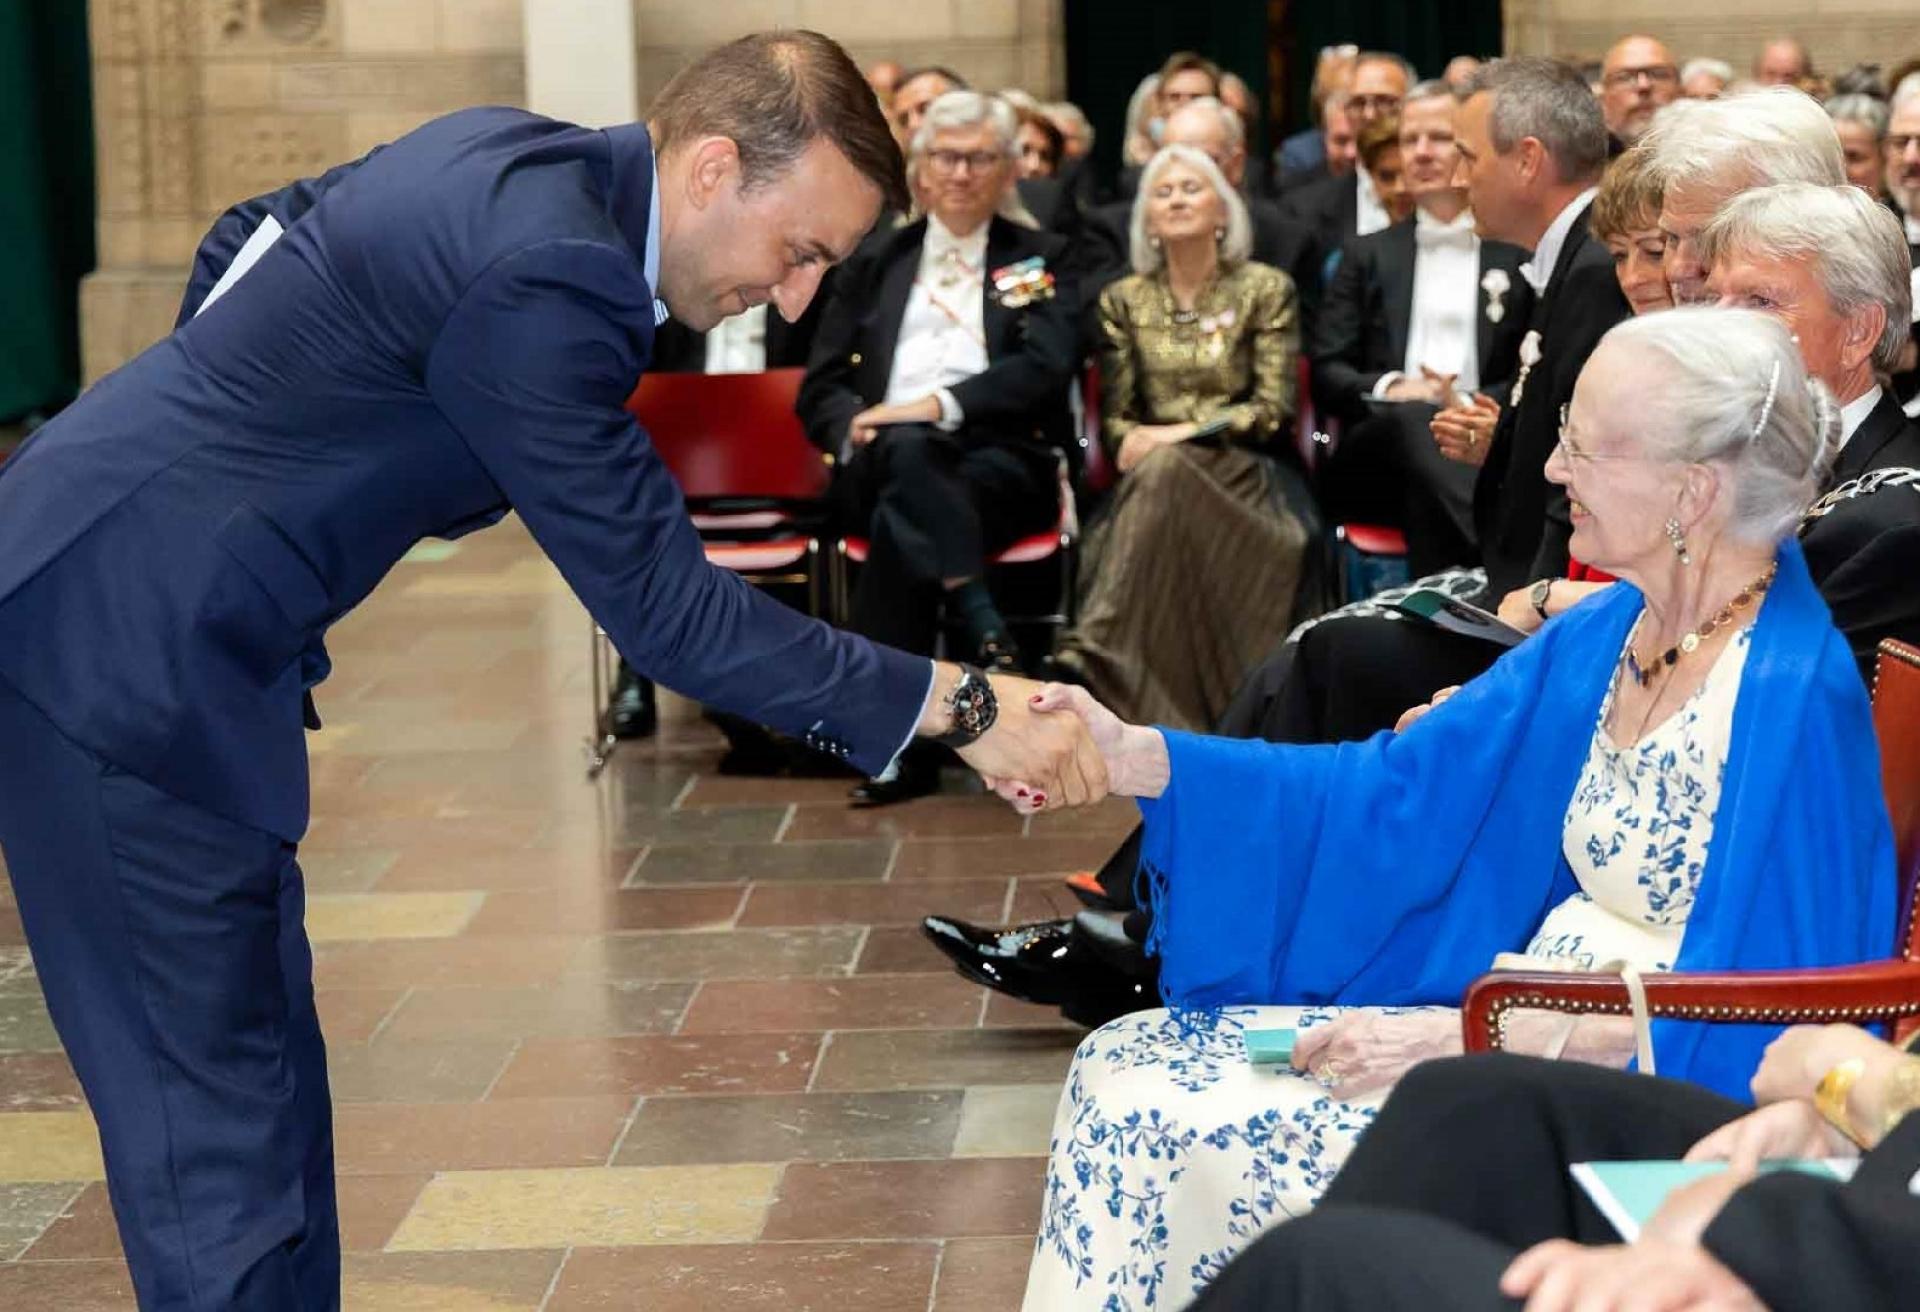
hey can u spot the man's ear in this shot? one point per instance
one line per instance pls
(1533, 161)
(713, 165)
(1865, 326)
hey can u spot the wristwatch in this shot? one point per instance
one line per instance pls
(974, 708)
(1539, 594)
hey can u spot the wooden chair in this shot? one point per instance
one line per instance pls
(755, 489)
(1879, 991)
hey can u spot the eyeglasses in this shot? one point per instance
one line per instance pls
(1659, 75)
(1383, 102)
(1571, 453)
(949, 161)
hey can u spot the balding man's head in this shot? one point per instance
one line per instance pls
(1637, 77)
(1782, 62)
(1213, 129)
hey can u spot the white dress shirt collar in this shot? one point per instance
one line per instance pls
(651, 262)
(1431, 231)
(1538, 271)
(1854, 413)
(971, 249)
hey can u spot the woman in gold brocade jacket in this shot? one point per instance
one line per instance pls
(1199, 565)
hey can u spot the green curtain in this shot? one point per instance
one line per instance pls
(46, 200)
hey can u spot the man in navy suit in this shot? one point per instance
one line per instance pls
(407, 346)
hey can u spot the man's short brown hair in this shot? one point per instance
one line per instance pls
(1182, 61)
(772, 94)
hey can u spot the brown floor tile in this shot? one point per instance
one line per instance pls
(982, 1275)
(883, 1002)
(444, 962)
(720, 1063)
(38, 1082)
(857, 1277)
(389, 1139)
(734, 790)
(740, 954)
(944, 1059)
(925, 817)
(868, 904)
(738, 863)
(1041, 898)
(345, 870)
(68, 1286)
(27, 1209)
(811, 1127)
(425, 869)
(83, 1231)
(579, 1006)
(372, 1207)
(415, 1072)
(900, 950)
(448, 1282)
(12, 932)
(606, 910)
(967, 858)
(908, 1200)
(352, 1015)
(25, 1025)
(1008, 1013)
(725, 824)
(469, 835)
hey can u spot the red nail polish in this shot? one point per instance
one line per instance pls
(1035, 699)
(1039, 799)
(1020, 792)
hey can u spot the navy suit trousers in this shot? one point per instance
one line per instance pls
(171, 947)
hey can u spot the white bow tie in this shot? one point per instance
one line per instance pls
(1442, 236)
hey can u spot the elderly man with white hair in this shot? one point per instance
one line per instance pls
(938, 382)
(1706, 151)
(1705, 79)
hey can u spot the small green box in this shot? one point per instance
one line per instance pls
(1269, 1047)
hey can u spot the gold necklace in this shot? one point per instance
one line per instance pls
(1666, 660)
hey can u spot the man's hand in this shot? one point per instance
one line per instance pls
(1649, 1276)
(1052, 756)
(1433, 388)
(866, 425)
(1464, 432)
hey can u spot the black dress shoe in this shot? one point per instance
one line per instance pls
(1047, 962)
(632, 713)
(998, 653)
(911, 780)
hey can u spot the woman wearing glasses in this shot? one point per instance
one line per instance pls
(1678, 774)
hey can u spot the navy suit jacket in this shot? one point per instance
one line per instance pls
(448, 329)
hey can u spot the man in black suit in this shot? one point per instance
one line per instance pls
(1903, 186)
(1463, 1181)
(1217, 132)
(939, 383)
(1347, 205)
(1414, 315)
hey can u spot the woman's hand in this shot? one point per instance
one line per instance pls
(1363, 1050)
(1795, 1063)
(1793, 1128)
(1143, 440)
(1464, 432)
(1413, 714)
(1516, 610)
(1649, 1276)
(1135, 756)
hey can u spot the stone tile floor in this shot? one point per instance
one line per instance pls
(668, 1040)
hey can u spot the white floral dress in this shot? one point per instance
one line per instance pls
(1171, 1153)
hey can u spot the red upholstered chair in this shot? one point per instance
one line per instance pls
(755, 487)
(1886, 990)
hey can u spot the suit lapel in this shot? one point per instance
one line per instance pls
(1003, 248)
(890, 304)
(1399, 254)
(1883, 423)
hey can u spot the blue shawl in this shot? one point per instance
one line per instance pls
(1391, 871)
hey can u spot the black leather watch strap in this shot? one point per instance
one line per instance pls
(974, 708)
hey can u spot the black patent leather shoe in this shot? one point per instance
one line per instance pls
(998, 653)
(1046, 962)
(632, 712)
(910, 781)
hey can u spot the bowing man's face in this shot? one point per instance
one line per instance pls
(725, 249)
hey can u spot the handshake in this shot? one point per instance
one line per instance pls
(1053, 746)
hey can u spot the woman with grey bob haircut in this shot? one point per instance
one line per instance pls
(959, 110)
(1235, 239)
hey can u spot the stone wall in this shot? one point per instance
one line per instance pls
(201, 103)
(1840, 33)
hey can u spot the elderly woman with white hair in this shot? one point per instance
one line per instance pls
(1678, 774)
(1193, 571)
(1861, 121)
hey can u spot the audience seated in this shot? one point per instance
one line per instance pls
(1183, 79)
(1638, 77)
(1237, 96)
(1204, 553)
(1339, 206)
(1304, 155)
(1861, 121)
(1465, 1180)
(1626, 220)
(1279, 242)
(1705, 79)
(1415, 314)
(1379, 150)
(939, 383)
(1635, 786)
(1903, 192)
(916, 90)
(1782, 62)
